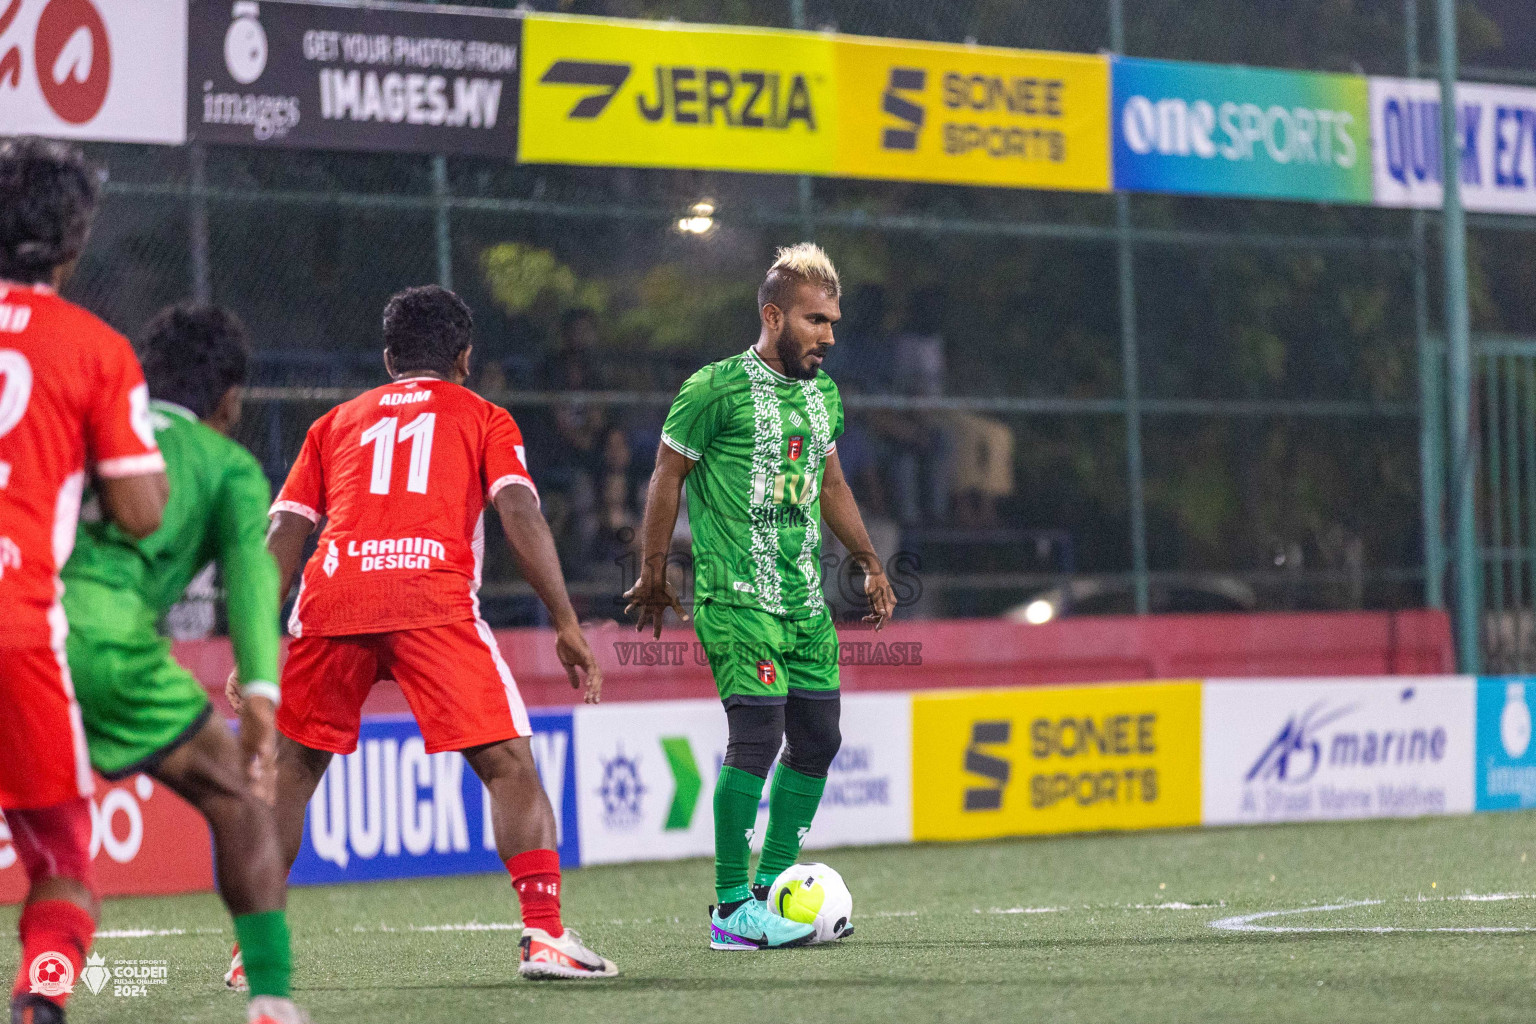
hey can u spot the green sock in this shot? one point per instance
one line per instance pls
(792, 803)
(264, 947)
(737, 794)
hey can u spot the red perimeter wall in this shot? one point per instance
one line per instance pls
(983, 652)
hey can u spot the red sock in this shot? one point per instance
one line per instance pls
(536, 877)
(51, 929)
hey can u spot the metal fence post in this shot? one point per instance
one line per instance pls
(1431, 368)
(805, 186)
(1458, 330)
(1130, 368)
(197, 222)
(444, 235)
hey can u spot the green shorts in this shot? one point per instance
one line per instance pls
(758, 658)
(138, 704)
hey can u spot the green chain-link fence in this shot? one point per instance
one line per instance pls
(1209, 403)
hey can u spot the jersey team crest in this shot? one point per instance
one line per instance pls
(796, 445)
(765, 673)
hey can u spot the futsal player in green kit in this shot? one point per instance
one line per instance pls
(145, 713)
(755, 438)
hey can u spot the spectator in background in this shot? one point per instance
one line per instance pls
(983, 468)
(917, 445)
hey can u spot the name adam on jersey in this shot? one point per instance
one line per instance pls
(404, 397)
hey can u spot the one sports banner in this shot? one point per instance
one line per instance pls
(1205, 129)
(972, 115)
(992, 763)
(386, 78)
(645, 776)
(645, 94)
(1294, 750)
(392, 810)
(94, 70)
(1495, 138)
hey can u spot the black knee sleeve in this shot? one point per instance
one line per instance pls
(811, 734)
(756, 731)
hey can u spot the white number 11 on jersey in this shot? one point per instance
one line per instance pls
(383, 434)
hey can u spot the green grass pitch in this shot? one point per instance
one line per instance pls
(1094, 928)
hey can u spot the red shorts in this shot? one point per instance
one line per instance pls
(43, 758)
(453, 677)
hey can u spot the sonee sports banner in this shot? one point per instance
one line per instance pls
(391, 79)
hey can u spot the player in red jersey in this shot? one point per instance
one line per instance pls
(401, 475)
(72, 401)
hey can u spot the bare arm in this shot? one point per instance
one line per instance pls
(651, 593)
(135, 503)
(534, 549)
(841, 513)
(285, 541)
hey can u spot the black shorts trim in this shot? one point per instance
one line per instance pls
(753, 700)
(148, 764)
(800, 694)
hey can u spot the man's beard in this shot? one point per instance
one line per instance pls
(794, 365)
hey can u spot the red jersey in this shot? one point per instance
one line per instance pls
(402, 475)
(71, 396)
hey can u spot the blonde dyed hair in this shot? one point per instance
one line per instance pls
(792, 264)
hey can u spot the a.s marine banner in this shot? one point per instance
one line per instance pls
(642, 94)
(971, 115)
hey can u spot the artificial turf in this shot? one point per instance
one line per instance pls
(1091, 928)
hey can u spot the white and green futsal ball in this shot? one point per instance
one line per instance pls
(814, 894)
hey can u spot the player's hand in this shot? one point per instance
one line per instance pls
(653, 595)
(573, 652)
(258, 745)
(232, 691)
(882, 599)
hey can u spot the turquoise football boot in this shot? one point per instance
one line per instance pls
(753, 926)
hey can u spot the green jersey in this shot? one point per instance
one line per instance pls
(761, 441)
(117, 587)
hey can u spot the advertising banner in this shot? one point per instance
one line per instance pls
(1496, 138)
(1506, 758)
(96, 70)
(972, 115)
(644, 94)
(645, 776)
(1039, 760)
(397, 79)
(1214, 130)
(391, 810)
(145, 841)
(1337, 748)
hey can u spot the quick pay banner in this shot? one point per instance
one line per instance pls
(1495, 140)
(392, 810)
(1213, 130)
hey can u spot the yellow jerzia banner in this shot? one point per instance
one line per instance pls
(972, 115)
(643, 94)
(1042, 760)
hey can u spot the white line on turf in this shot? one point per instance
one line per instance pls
(1019, 910)
(1249, 922)
(154, 933)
